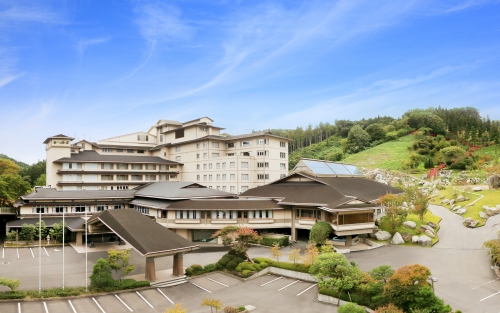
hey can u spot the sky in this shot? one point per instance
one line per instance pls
(97, 69)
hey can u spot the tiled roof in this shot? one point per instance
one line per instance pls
(93, 156)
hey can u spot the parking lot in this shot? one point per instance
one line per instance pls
(268, 293)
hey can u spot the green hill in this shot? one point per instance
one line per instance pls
(19, 163)
(387, 155)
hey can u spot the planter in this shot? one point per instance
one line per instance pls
(334, 301)
(291, 274)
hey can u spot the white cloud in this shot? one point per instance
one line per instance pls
(83, 44)
(29, 13)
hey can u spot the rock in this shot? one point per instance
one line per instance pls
(406, 236)
(404, 205)
(452, 208)
(498, 207)
(458, 207)
(425, 227)
(430, 233)
(382, 235)
(494, 181)
(414, 239)
(452, 202)
(477, 188)
(431, 224)
(424, 240)
(445, 201)
(412, 207)
(461, 211)
(397, 239)
(485, 207)
(469, 222)
(483, 215)
(410, 224)
(460, 198)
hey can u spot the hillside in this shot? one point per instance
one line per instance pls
(19, 163)
(387, 155)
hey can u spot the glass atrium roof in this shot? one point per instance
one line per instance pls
(331, 168)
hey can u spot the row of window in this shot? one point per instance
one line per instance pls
(76, 208)
(233, 165)
(223, 177)
(229, 215)
(110, 177)
(118, 166)
(121, 187)
(122, 150)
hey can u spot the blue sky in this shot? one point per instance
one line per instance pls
(104, 68)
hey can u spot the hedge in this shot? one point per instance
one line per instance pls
(268, 241)
(297, 267)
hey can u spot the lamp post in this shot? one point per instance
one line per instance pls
(433, 280)
(63, 231)
(40, 251)
(86, 256)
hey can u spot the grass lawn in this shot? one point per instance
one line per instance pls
(387, 155)
(428, 217)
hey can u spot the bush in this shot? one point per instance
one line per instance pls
(246, 266)
(238, 260)
(245, 273)
(218, 266)
(196, 267)
(223, 261)
(297, 267)
(257, 267)
(320, 232)
(231, 265)
(10, 295)
(263, 265)
(189, 271)
(210, 268)
(101, 275)
(351, 308)
(230, 309)
(242, 308)
(238, 268)
(13, 284)
(268, 241)
(131, 284)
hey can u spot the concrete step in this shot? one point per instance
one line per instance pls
(170, 282)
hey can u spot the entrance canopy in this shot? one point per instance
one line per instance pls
(149, 238)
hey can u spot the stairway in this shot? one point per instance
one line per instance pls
(170, 282)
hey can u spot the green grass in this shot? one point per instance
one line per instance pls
(428, 217)
(472, 211)
(387, 155)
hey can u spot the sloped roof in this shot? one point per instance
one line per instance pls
(52, 193)
(60, 136)
(152, 203)
(144, 234)
(225, 204)
(93, 156)
(73, 223)
(179, 190)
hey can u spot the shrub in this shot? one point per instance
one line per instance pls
(218, 266)
(246, 266)
(131, 284)
(101, 275)
(245, 273)
(13, 284)
(242, 308)
(391, 308)
(231, 265)
(210, 268)
(298, 267)
(257, 267)
(268, 241)
(351, 308)
(230, 309)
(238, 260)
(263, 265)
(223, 261)
(320, 232)
(238, 268)
(196, 267)
(189, 271)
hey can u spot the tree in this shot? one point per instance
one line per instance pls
(8, 167)
(12, 186)
(294, 255)
(320, 232)
(101, 275)
(41, 230)
(493, 247)
(176, 309)
(451, 154)
(382, 273)
(27, 232)
(376, 131)
(13, 284)
(334, 272)
(310, 255)
(351, 308)
(238, 238)
(391, 308)
(420, 203)
(327, 247)
(395, 215)
(357, 140)
(41, 180)
(213, 304)
(56, 232)
(119, 260)
(276, 252)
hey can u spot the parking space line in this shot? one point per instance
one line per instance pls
(98, 305)
(489, 296)
(289, 285)
(201, 288)
(32, 252)
(145, 299)
(45, 305)
(486, 283)
(3, 253)
(72, 307)
(124, 303)
(165, 295)
(17, 252)
(272, 281)
(46, 251)
(217, 282)
(305, 290)
(19, 307)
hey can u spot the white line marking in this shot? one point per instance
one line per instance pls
(17, 252)
(19, 307)
(165, 296)
(71, 304)
(217, 282)
(98, 305)
(201, 288)
(32, 252)
(272, 281)
(124, 303)
(489, 296)
(289, 285)
(486, 283)
(145, 300)
(3, 253)
(46, 251)
(45, 305)
(305, 290)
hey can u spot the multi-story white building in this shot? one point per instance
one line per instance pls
(191, 151)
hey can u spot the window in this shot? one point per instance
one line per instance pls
(91, 188)
(119, 150)
(232, 176)
(203, 129)
(282, 155)
(121, 177)
(215, 155)
(204, 177)
(150, 177)
(282, 166)
(263, 164)
(59, 209)
(210, 177)
(137, 166)
(73, 166)
(244, 176)
(72, 177)
(282, 144)
(40, 209)
(232, 164)
(197, 146)
(106, 166)
(205, 144)
(90, 166)
(217, 177)
(142, 138)
(121, 187)
(217, 165)
(122, 166)
(198, 177)
(118, 206)
(262, 141)
(205, 166)
(230, 145)
(179, 133)
(215, 145)
(178, 158)
(223, 164)
(205, 155)
(106, 177)
(263, 153)
(89, 177)
(229, 154)
(244, 164)
(218, 187)
(163, 177)
(141, 209)
(107, 150)
(173, 166)
(178, 149)
(151, 167)
(184, 215)
(210, 165)
(282, 175)
(232, 189)
(223, 176)
(163, 167)
(246, 143)
(130, 150)
(198, 166)
(80, 208)
(197, 155)
(244, 188)
(101, 207)
(262, 176)
(246, 153)
(223, 188)
(136, 177)
(161, 138)
(140, 151)
(165, 154)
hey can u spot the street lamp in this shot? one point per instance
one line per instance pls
(433, 280)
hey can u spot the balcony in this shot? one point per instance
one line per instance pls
(8, 211)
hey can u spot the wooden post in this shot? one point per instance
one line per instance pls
(79, 239)
(294, 231)
(150, 269)
(348, 240)
(178, 269)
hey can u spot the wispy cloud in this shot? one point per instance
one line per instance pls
(7, 69)
(29, 13)
(83, 44)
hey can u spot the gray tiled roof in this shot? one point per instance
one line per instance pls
(60, 136)
(179, 190)
(224, 204)
(73, 223)
(93, 156)
(52, 193)
(152, 203)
